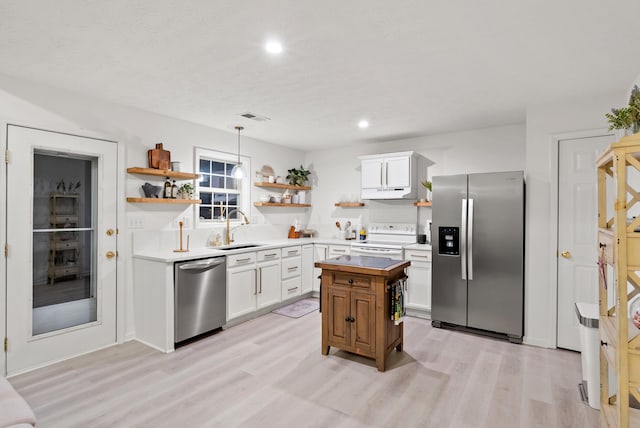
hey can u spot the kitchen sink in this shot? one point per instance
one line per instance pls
(237, 246)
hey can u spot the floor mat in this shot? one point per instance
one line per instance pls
(299, 308)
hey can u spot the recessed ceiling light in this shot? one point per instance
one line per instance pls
(273, 47)
(363, 124)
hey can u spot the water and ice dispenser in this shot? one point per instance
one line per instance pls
(449, 241)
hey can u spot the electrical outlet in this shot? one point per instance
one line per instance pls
(136, 222)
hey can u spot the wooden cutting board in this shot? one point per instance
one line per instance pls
(159, 158)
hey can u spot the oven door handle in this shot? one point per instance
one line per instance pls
(366, 251)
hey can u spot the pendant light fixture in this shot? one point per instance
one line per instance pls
(238, 171)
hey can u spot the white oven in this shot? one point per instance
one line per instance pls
(386, 240)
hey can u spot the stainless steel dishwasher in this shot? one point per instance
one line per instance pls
(200, 295)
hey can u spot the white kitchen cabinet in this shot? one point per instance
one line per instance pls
(389, 176)
(307, 269)
(320, 252)
(268, 275)
(242, 286)
(419, 283)
(339, 250)
(371, 173)
(291, 271)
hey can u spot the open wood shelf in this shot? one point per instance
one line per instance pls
(281, 186)
(163, 173)
(165, 201)
(422, 204)
(280, 204)
(349, 204)
(619, 248)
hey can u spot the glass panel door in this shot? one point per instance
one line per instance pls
(64, 280)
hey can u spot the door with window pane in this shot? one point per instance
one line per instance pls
(61, 267)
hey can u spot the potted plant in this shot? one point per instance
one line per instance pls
(427, 185)
(628, 117)
(297, 177)
(187, 191)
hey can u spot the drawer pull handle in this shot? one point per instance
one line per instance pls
(603, 343)
(270, 255)
(350, 319)
(292, 289)
(339, 251)
(292, 268)
(350, 282)
(292, 252)
(243, 260)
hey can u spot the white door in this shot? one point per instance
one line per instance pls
(61, 269)
(577, 236)
(398, 171)
(371, 173)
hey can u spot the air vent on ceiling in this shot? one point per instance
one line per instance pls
(255, 117)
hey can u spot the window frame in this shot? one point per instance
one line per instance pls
(244, 190)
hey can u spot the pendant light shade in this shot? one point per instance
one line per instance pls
(238, 170)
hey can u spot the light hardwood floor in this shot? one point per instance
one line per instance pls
(269, 372)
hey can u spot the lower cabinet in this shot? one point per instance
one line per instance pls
(268, 283)
(307, 269)
(320, 253)
(291, 271)
(352, 320)
(241, 285)
(419, 283)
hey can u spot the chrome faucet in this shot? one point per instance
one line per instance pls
(227, 238)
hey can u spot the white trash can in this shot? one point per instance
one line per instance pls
(588, 315)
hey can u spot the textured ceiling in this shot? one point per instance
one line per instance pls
(411, 67)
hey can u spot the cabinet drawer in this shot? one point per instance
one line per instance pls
(418, 256)
(241, 259)
(338, 250)
(291, 267)
(67, 245)
(291, 288)
(291, 251)
(266, 255)
(351, 280)
(64, 271)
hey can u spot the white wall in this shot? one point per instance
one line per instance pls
(136, 131)
(543, 123)
(336, 172)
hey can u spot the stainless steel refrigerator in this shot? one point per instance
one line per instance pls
(478, 253)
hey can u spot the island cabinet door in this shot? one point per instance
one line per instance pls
(338, 327)
(363, 322)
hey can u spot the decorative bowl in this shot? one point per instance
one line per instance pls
(265, 198)
(151, 191)
(276, 199)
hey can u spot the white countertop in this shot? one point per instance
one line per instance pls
(169, 256)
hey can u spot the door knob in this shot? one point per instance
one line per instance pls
(110, 254)
(110, 232)
(565, 254)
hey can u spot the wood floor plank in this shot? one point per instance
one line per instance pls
(270, 372)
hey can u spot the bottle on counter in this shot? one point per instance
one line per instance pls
(174, 190)
(363, 233)
(167, 189)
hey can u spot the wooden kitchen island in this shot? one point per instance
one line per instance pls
(356, 305)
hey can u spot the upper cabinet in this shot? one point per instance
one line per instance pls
(389, 176)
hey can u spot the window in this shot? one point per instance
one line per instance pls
(219, 191)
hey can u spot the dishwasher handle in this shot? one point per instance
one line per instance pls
(197, 267)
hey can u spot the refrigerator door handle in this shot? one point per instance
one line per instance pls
(463, 240)
(470, 241)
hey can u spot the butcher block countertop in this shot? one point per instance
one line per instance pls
(365, 265)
